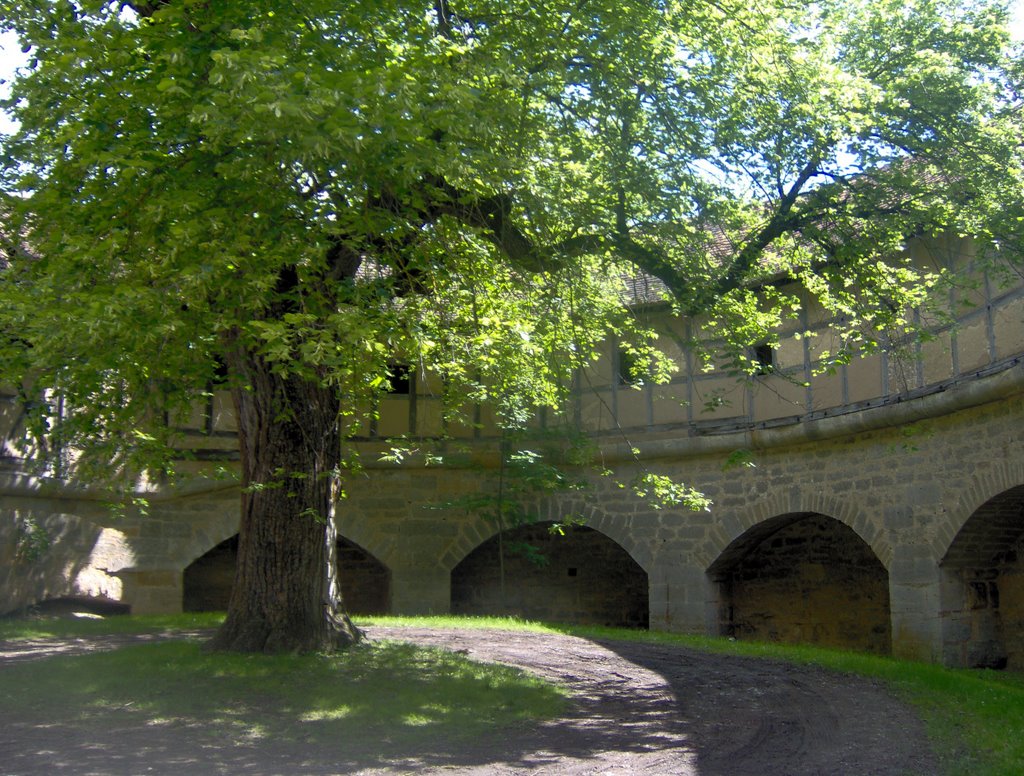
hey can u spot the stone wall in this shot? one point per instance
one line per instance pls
(57, 545)
(891, 479)
(1011, 604)
(913, 480)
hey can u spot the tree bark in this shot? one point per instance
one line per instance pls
(285, 597)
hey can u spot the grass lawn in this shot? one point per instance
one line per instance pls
(386, 689)
(976, 718)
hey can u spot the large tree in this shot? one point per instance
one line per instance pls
(283, 198)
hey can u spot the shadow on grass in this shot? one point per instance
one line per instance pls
(169, 705)
(654, 708)
(15, 628)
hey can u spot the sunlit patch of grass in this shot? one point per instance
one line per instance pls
(457, 622)
(325, 715)
(256, 731)
(378, 689)
(417, 720)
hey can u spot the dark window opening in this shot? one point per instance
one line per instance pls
(399, 379)
(764, 359)
(220, 371)
(629, 368)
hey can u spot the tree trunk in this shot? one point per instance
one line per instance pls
(286, 596)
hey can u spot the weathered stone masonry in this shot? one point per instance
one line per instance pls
(883, 510)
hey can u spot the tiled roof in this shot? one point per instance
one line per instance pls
(643, 289)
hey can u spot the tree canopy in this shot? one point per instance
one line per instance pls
(281, 197)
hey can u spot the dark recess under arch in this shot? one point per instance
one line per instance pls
(365, 581)
(983, 586)
(583, 577)
(804, 578)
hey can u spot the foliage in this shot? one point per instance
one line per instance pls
(662, 491)
(464, 184)
(31, 539)
(739, 458)
(279, 198)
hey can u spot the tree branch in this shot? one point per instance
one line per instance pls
(783, 220)
(494, 216)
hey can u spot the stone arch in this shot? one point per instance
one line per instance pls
(803, 577)
(581, 576)
(732, 526)
(218, 526)
(553, 510)
(1001, 476)
(361, 531)
(365, 581)
(982, 585)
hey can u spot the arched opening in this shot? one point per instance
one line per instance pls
(207, 581)
(579, 576)
(983, 587)
(365, 581)
(804, 578)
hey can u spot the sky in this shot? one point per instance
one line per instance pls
(11, 56)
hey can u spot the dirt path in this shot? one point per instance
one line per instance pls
(637, 708)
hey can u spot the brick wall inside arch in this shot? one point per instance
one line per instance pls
(365, 581)
(581, 577)
(805, 579)
(207, 581)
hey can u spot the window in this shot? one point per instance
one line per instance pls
(763, 357)
(399, 380)
(628, 364)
